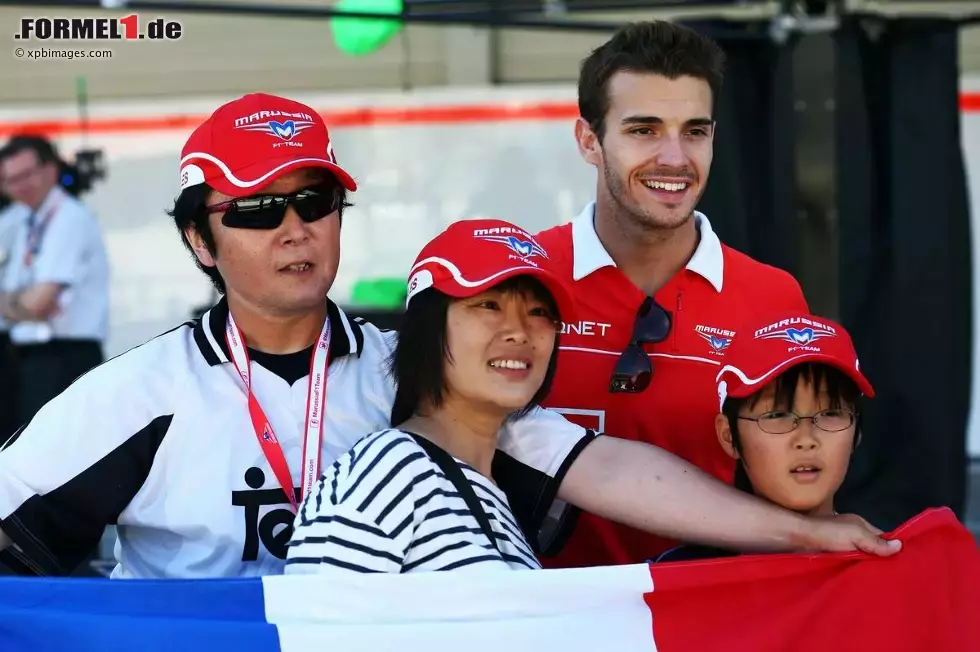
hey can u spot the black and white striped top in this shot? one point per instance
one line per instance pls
(386, 507)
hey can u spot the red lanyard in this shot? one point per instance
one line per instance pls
(316, 400)
(35, 230)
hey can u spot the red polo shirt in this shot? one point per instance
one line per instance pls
(719, 288)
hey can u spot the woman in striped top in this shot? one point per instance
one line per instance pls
(478, 346)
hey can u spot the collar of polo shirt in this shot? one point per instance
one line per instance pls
(589, 254)
(346, 336)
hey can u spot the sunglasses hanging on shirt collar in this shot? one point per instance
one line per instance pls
(634, 369)
(268, 211)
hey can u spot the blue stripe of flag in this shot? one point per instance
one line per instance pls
(41, 615)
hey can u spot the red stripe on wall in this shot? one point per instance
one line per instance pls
(970, 102)
(364, 117)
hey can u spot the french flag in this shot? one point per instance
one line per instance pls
(926, 598)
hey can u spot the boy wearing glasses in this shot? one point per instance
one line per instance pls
(790, 393)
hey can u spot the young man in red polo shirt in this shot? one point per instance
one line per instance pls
(658, 294)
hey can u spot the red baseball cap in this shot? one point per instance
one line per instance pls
(472, 256)
(248, 143)
(764, 348)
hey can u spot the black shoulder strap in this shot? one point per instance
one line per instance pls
(452, 471)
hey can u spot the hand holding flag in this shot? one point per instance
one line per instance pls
(848, 532)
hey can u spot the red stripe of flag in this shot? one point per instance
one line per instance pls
(924, 599)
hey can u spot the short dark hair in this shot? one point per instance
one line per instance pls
(843, 392)
(190, 209)
(417, 362)
(44, 148)
(657, 47)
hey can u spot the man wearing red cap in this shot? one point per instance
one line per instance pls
(200, 444)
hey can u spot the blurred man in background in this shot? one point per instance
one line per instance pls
(54, 292)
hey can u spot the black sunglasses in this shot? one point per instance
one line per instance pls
(634, 369)
(268, 211)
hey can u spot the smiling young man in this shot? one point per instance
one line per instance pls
(201, 443)
(658, 294)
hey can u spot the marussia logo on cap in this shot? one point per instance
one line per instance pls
(799, 331)
(517, 240)
(283, 129)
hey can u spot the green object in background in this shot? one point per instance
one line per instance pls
(385, 293)
(362, 36)
(81, 96)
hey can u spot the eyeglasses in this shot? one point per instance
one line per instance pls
(268, 211)
(779, 422)
(634, 369)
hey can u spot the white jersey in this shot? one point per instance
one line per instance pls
(159, 442)
(387, 507)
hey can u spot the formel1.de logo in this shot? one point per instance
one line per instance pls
(129, 28)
